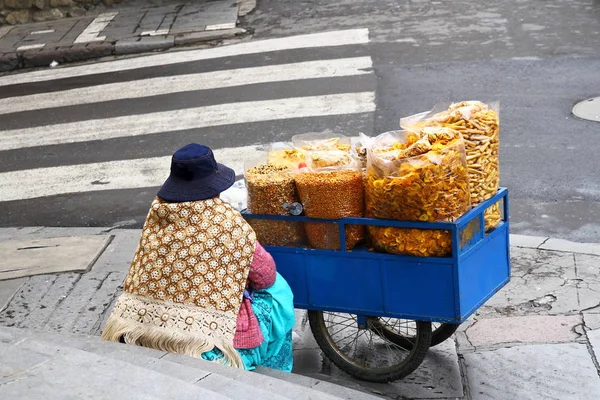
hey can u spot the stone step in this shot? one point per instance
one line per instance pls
(155, 360)
(82, 347)
(72, 373)
(229, 382)
(322, 383)
(14, 359)
(287, 388)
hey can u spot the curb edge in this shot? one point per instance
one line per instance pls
(554, 244)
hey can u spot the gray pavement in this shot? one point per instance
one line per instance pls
(538, 338)
(120, 31)
(37, 256)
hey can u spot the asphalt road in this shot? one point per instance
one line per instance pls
(538, 58)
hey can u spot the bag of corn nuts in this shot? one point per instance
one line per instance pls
(270, 187)
(331, 187)
(416, 176)
(479, 125)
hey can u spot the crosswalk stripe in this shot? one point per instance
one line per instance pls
(127, 91)
(315, 40)
(110, 175)
(187, 83)
(190, 118)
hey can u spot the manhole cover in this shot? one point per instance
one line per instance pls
(588, 109)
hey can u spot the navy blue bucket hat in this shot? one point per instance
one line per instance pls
(195, 175)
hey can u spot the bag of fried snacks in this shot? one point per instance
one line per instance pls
(284, 154)
(479, 125)
(271, 188)
(416, 176)
(331, 187)
(315, 141)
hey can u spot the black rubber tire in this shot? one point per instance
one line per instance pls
(443, 333)
(438, 335)
(418, 351)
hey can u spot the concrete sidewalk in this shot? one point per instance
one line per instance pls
(120, 32)
(538, 338)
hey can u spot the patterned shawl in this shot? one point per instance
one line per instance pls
(187, 278)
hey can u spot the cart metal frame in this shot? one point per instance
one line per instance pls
(366, 283)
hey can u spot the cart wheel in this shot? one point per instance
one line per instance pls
(402, 331)
(363, 351)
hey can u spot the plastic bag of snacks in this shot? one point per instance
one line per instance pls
(331, 187)
(285, 154)
(479, 125)
(360, 149)
(270, 187)
(416, 176)
(321, 141)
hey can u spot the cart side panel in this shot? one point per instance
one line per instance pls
(483, 271)
(419, 289)
(292, 266)
(348, 282)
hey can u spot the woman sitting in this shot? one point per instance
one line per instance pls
(200, 284)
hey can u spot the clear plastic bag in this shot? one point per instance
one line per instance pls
(284, 154)
(331, 187)
(270, 187)
(416, 176)
(479, 125)
(314, 141)
(360, 149)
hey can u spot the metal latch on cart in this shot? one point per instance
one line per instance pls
(293, 208)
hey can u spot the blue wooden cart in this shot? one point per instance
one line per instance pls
(372, 313)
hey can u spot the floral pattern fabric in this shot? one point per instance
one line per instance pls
(190, 269)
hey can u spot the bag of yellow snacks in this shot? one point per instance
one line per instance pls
(479, 125)
(284, 154)
(314, 141)
(331, 187)
(269, 187)
(416, 176)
